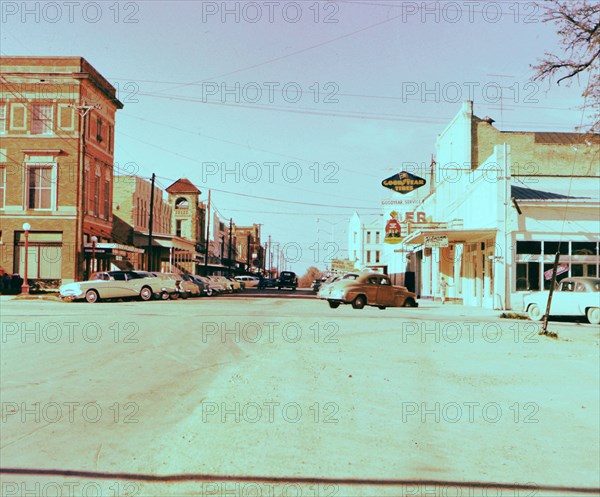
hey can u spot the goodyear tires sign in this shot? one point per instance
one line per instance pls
(403, 182)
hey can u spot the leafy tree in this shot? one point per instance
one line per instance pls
(312, 273)
(578, 23)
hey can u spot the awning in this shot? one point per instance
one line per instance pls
(454, 236)
(110, 247)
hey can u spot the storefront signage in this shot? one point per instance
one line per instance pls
(403, 182)
(561, 268)
(393, 230)
(436, 241)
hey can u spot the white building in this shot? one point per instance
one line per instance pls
(482, 179)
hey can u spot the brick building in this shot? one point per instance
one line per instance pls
(57, 120)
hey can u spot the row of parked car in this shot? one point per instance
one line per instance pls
(146, 285)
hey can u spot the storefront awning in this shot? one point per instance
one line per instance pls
(454, 236)
(112, 247)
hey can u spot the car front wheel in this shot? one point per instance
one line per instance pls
(359, 302)
(91, 296)
(146, 293)
(534, 312)
(593, 315)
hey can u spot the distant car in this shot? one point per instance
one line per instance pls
(249, 281)
(578, 296)
(114, 285)
(287, 279)
(189, 287)
(236, 286)
(220, 284)
(205, 285)
(372, 289)
(267, 283)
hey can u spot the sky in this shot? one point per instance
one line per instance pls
(292, 113)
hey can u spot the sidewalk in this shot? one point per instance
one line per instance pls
(460, 310)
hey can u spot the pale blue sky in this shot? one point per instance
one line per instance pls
(373, 59)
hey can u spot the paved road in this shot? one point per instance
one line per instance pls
(291, 388)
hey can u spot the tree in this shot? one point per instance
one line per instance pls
(578, 23)
(312, 273)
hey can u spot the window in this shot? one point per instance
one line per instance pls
(385, 281)
(377, 237)
(99, 130)
(368, 256)
(107, 198)
(377, 255)
(41, 120)
(355, 237)
(2, 186)
(181, 203)
(528, 276)
(109, 137)
(534, 248)
(567, 286)
(44, 255)
(178, 223)
(368, 237)
(40, 186)
(583, 248)
(97, 193)
(2, 118)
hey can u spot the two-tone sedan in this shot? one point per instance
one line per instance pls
(114, 285)
(372, 289)
(578, 296)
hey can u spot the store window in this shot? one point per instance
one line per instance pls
(528, 276)
(44, 255)
(584, 248)
(533, 248)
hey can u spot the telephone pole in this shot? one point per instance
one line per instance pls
(150, 224)
(207, 241)
(230, 237)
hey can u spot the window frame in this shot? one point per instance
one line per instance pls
(52, 166)
(35, 118)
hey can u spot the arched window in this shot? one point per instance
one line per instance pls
(181, 203)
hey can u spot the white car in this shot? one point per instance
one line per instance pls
(113, 285)
(249, 281)
(572, 297)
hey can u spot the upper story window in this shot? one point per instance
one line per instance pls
(2, 118)
(41, 186)
(181, 203)
(99, 130)
(107, 190)
(178, 224)
(2, 186)
(368, 237)
(377, 237)
(41, 119)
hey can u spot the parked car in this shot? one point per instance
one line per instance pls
(287, 279)
(267, 283)
(189, 287)
(236, 286)
(113, 285)
(249, 281)
(171, 283)
(204, 285)
(578, 296)
(367, 289)
(219, 284)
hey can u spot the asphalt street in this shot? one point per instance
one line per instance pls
(287, 387)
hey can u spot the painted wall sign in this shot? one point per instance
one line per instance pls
(436, 241)
(393, 230)
(403, 182)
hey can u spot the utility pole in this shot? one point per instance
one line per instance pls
(230, 237)
(270, 255)
(83, 110)
(150, 224)
(248, 250)
(264, 258)
(552, 283)
(207, 241)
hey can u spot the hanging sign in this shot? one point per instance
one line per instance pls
(403, 182)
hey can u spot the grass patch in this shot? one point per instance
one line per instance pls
(514, 315)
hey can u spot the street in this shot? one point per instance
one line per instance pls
(286, 387)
